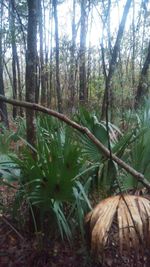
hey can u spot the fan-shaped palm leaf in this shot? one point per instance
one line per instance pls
(131, 214)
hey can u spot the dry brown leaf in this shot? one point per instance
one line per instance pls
(133, 220)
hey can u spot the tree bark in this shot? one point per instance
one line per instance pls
(142, 89)
(31, 67)
(42, 65)
(58, 88)
(3, 108)
(14, 52)
(31, 86)
(89, 58)
(16, 84)
(114, 57)
(50, 90)
(83, 94)
(19, 84)
(72, 57)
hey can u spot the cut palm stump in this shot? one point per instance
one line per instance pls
(119, 231)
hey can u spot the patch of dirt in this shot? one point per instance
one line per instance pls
(21, 251)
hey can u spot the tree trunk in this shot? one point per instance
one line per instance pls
(14, 51)
(50, 60)
(142, 89)
(19, 84)
(42, 68)
(49, 98)
(133, 46)
(31, 58)
(3, 108)
(31, 83)
(113, 61)
(83, 94)
(89, 60)
(16, 81)
(72, 58)
(58, 88)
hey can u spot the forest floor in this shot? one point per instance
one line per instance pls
(19, 249)
(16, 251)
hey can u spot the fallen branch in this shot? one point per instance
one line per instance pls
(139, 176)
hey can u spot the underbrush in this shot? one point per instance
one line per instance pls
(46, 190)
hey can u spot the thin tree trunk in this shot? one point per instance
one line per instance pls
(38, 74)
(114, 57)
(31, 62)
(133, 46)
(142, 89)
(89, 63)
(31, 83)
(19, 84)
(72, 57)
(58, 88)
(15, 60)
(83, 94)
(51, 68)
(42, 67)
(46, 51)
(8, 73)
(3, 108)
(14, 51)
(50, 73)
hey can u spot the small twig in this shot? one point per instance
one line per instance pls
(11, 226)
(139, 176)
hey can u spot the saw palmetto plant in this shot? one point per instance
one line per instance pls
(49, 177)
(119, 230)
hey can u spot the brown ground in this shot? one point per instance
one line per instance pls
(17, 250)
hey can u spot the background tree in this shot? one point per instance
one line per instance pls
(72, 56)
(14, 52)
(3, 109)
(58, 87)
(31, 68)
(73, 59)
(83, 94)
(42, 64)
(114, 57)
(142, 89)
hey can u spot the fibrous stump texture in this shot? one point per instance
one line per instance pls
(119, 230)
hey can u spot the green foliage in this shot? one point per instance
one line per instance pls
(8, 169)
(5, 139)
(49, 175)
(140, 149)
(57, 175)
(136, 146)
(105, 170)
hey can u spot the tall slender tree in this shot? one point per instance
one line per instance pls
(83, 94)
(3, 108)
(72, 55)
(42, 65)
(58, 87)
(31, 67)
(142, 89)
(50, 78)
(112, 65)
(14, 51)
(31, 86)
